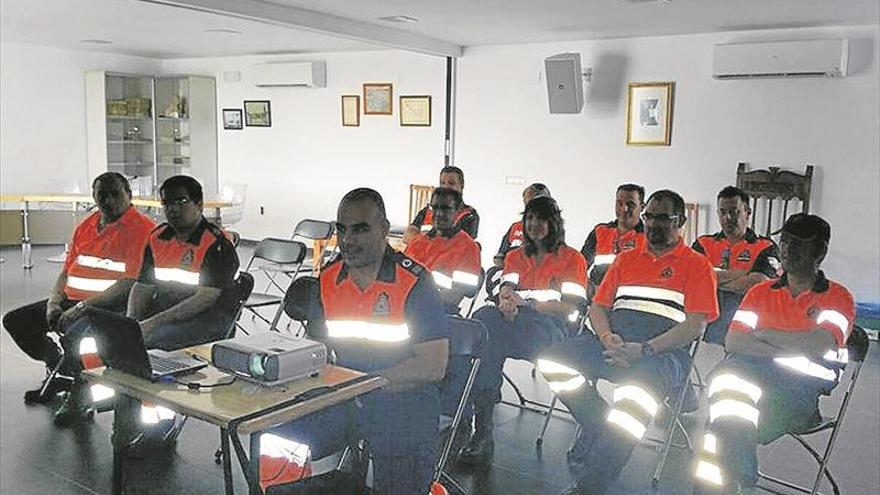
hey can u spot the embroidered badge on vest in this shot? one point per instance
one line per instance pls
(666, 273)
(812, 312)
(187, 260)
(382, 307)
(725, 259)
(744, 256)
(411, 266)
(628, 244)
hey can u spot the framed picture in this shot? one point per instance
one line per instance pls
(257, 113)
(378, 98)
(649, 114)
(232, 118)
(351, 110)
(415, 111)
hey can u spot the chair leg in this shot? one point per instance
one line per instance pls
(539, 442)
(52, 375)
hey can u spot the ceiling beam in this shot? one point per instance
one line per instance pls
(294, 17)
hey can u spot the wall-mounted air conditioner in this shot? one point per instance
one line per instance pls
(279, 74)
(781, 59)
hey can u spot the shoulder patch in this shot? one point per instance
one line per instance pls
(410, 265)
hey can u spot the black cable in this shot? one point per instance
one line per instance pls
(199, 385)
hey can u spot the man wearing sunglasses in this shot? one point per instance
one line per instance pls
(654, 301)
(741, 258)
(786, 347)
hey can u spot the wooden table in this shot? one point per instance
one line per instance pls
(75, 200)
(240, 408)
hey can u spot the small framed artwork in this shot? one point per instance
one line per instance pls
(232, 119)
(257, 113)
(351, 110)
(378, 98)
(649, 114)
(415, 111)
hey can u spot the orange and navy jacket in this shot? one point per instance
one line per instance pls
(560, 276)
(96, 260)
(828, 306)
(605, 242)
(453, 261)
(375, 328)
(206, 259)
(512, 239)
(751, 254)
(466, 219)
(648, 295)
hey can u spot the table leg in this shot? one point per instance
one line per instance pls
(119, 440)
(27, 262)
(255, 488)
(243, 461)
(227, 462)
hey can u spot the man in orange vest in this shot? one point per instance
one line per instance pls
(104, 257)
(466, 218)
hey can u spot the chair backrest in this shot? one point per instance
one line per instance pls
(235, 194)
(234, 237)
(774, 185)
(280, 251)
(857, 344)
(690, 230)
(419, 197)
(313, 229)
(244, 285)
(301, 299)
(466, 337)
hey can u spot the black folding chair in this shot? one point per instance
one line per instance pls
(474, 293)
(299, 303)
(857, 347)
(310, 230)
(274, 257)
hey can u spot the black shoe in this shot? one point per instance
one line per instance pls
(75, 410)
(54, 386)
(481, 445)
(580, 448)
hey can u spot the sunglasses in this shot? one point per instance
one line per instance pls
(660, 217)
(176, 202)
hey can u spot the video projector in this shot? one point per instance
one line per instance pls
(270, 358)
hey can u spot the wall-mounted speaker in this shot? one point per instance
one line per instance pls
(565, 83)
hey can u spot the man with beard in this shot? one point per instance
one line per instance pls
(104, 257)
(785, 348)
(379, 311)
(653, 303)
(741, 258)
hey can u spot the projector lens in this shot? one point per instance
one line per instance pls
(258, 365)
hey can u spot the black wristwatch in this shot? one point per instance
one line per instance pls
(648, 350)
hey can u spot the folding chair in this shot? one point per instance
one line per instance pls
(467, 338)
(315, 234)
(857, 347)
(277, 257)
(474, 293)
(298, 302)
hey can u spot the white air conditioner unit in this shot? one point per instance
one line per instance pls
(308, 74)
(781, 59)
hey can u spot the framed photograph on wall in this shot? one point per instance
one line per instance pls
(232, 119)
(378, 98)
(257, 113)
(351, 110)
(649, 114)
(415, 111)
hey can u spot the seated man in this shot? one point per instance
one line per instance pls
(541, 295)
(654, 301)
(513, 238)
(466, 218)
(785, 347)
(452, 256)
(106, 251)
(380, 313)
(624, 233)
(741, 258)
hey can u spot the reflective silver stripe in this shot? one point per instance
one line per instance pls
(836, 318)
(573, 316)
(176, 275)
(442, 280)
(736, 408)
(511, 277)
(101, 392)
(465, 278)
(88, 345)
(426, 228)
(803, 365)
(710, 443)
(626, 421)
(604, 259)
(516, 243)
(839, 356)
(651, 293)
(89, 284)
(652, 307)
(152, 415)
(100, 263)
(279, 447)
(378, 332)
(638, 395)
(560, 378)
(747, 318)
(574, 289)
(709, 472)
(541, 295)
(729, 381)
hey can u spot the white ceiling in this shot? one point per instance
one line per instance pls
(162, 31)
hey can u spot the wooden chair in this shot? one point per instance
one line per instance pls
(419, 197)
(774, 186)
(690, 230)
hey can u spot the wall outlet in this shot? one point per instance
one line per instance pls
(262, 210)
(514, 180)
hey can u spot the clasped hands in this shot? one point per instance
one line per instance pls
(509, 302)
(620, 353)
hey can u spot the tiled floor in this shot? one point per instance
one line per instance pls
(37, 458)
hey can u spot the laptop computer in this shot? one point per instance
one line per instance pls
(121, 346)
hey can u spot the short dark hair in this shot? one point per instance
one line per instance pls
(674, 198)
(366, 194)
(810, 228)
(545, 208)
(190, 185)
(451, 169)
(108, 177)
(539, 189)
(734, 192)
(445, 192)
(633, 188)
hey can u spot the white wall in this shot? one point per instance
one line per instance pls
(302, 165)
(504, 129)
(42, 114)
